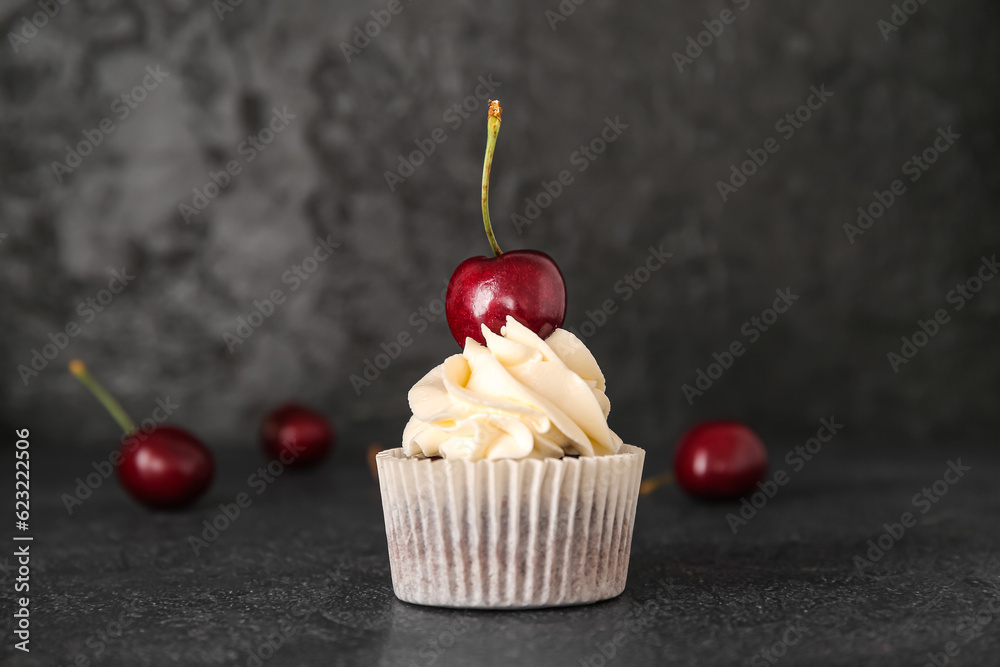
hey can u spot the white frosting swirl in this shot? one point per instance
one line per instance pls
(518, 397)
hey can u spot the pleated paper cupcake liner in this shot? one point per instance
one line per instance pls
(509, 533)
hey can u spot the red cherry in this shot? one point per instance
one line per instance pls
(162, 467)
(525, 284)
(166, 467)
(296, 436)
(720, 460)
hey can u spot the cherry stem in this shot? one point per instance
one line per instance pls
(653, 483)
(492, 130)
(78, 369)
(373, 450)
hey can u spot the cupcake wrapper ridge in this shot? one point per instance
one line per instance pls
(509, 533)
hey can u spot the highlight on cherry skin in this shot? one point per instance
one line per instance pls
(525, 284)
(164, 467)
(297, 436)
(720, 460)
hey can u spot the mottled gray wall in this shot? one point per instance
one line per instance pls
(323, 176)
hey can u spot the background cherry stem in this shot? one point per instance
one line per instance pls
(492, 130)
(653, 483)
(78, 369)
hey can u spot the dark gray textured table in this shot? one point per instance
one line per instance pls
(305, 568)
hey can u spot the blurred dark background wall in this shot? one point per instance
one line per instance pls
(682, 124)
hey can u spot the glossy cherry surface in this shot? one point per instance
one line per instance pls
(165, 467)
(525, 284)
(720, 459)
(297, 436)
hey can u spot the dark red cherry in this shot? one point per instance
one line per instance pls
(160, 466)
(525, 284)
(297, 436)
(720, 459)
(165, 467)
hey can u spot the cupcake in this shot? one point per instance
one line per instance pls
(510, 490)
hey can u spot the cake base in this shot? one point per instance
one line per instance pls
(509, 534)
